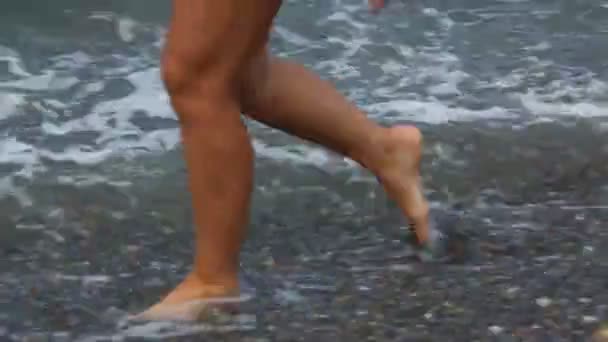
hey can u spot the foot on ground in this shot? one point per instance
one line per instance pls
(193, 301)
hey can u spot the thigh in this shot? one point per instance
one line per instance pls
(219, 34)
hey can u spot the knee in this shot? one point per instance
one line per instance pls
(195, 91)
(178, 73)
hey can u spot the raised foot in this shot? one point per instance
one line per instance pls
(397, 166)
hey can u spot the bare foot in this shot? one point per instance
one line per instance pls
(190, 301)
(396, 164)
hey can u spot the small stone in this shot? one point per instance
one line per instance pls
(61, 337)
(584, 300)
(511, 292)
(269, 262)
(289, 296)
(112, 315)
(95, 280)
(428, 316)
(589, 319)
(401, 268)
(55, 236)
(495, 329)
(133, 248)
(36, 337)
(543, 302)
(321, 316)
(153, 282)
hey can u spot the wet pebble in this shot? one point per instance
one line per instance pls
(55, 236)
(36, 337)
(317, 288)
(61, 337)
(92, 280)
(321, 316)
(111, 315)
(589, 319)
(511, 292)
(133, 249)
(584, 300)
(153, 282)
(401, 268)
(362, 313)
(495, 329)
(288, 296)
(543, 302)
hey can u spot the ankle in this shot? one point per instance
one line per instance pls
(213, 284)
(371, 151)
(225, 282)
(385, 145)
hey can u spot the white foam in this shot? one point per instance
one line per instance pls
(339, 69)
(73, 61)
(433, 112)
(294, 37)
(89, 180)
(345, 18)
(535, 104)
(8, 188)
(83, 155)
(125, 27)
(448, 83)
(442, 18)
(298, 155)
(149, 96)
(436, 73)
(86, 280)
(164, 330)
(9, 104)
(588, 99)
(45, 81)
(13, 151)
(15, 65)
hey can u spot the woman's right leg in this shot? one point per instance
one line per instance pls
(209, 43)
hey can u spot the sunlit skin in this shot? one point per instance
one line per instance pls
(216, 66)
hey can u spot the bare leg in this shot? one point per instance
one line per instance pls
(213, 70)
(209, 43)
(297, 101)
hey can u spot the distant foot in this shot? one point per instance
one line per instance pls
(191, 301)
(396, 162)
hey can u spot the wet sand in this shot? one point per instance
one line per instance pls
(326, 252)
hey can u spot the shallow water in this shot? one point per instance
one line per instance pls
(511, 96)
